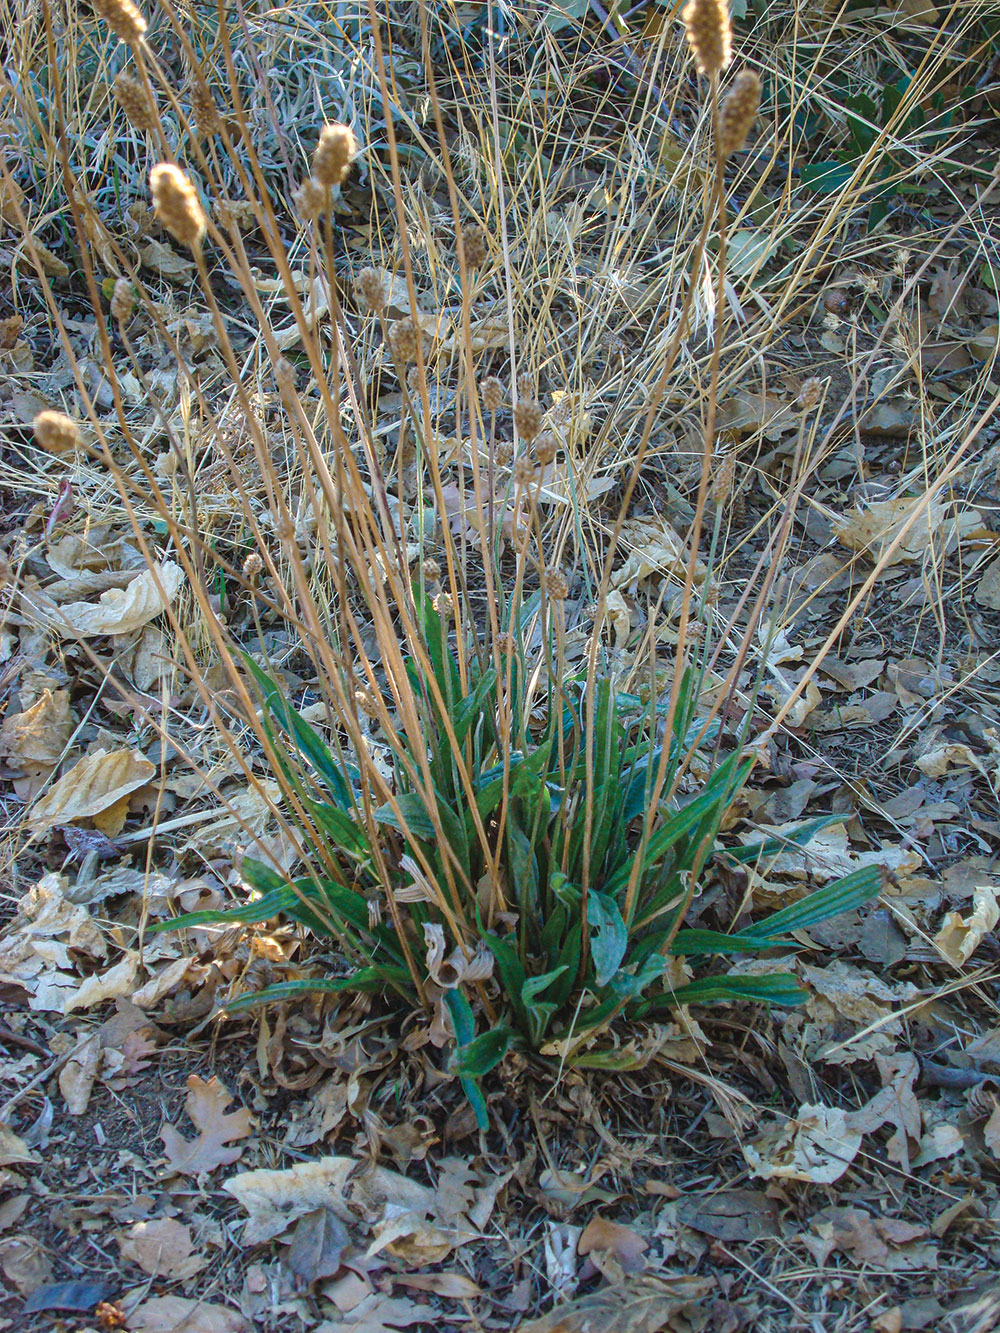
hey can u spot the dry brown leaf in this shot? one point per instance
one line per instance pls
(874, 528)
(453, 1286)
(206, 1104)
(45, 259)
(167, 263)
(177, 1314)
(654, 548)
(25, 1263)
(13, 1150)
(988, 587)
(34, 952)
(991, 1131)
(960, 937)
(76, 1078)
(161, 1248)
(276, 1199)
(866, 1239)
(90, 786)
(116, 983)
(41, 733)
(818, 1146)
(379, 1313)
(624, 1244)
(119, 610)
(638, 1304)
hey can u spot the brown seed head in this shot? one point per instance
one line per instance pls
(444, 605)
(528, 418)
(123, 301)
(503, 453)
(123, 18)
(334, 154)
(474, 244)
(738, 113)
(525, 386)
(310, 199)
(556, 585)
(203, 109)
(545, 448)
(252, 567)
(432, 570)
(374, 288)
(176, 205)
(56, 432)
(367, 702)
(524, 472)
(709, 34)
(131, 96)
(491, 392)
(404, 340)
(810, 393)
(284, 374)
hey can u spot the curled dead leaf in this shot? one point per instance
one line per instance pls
(94, 784)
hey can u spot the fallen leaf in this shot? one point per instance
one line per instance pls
(624, 1244)
(960, 937)
(276, 1199)
(818, 1145)
(166, 262)
(942, 1140)
(873, 530)
(177, 1314)
(40, 734)
(731, 1215)
(35, 949)
(161, 1248)
(119, 610)
(78, 1296)
(639, 1304)
(937, 761)
(95, 783)
(318, 1242)
(76, 1078)
(453, 1286)
(988, 587)
(13, 1149)
(116, 983)
(865, 1238)
(205, 1105)
(25, 1263)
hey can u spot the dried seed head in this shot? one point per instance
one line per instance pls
(123, 300)
(525, 386)
(432, 570)
(528, 418)
(123, 18)
(310, 199)
(335, 151)
(738, 113)
(444, 605)
(133, 99)
(474, 245)
(503, 453)
(722, 485)
(203, 109)
(545, 448)
(709, 34)
(374, 288)
(284, 374)
(810, 393)
(405, 339)
(176, 205)
(556, 585)
(10, 331)
(56, 432)
(367, 702)
(524, 472)
(491, 392)
(252, 567)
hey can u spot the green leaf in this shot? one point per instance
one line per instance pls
(464, 1024)
(692, 943)
(609, 939)
(826, 177)
(776, 988)
(413, 820)
(772, 846)
(368, 980)
(844, 895)
(346, 834)
(482, 1054)
(307, 741)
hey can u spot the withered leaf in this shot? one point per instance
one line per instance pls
(318, 1241)
(206, 1103)
(732, 1215)
(639, 1304)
